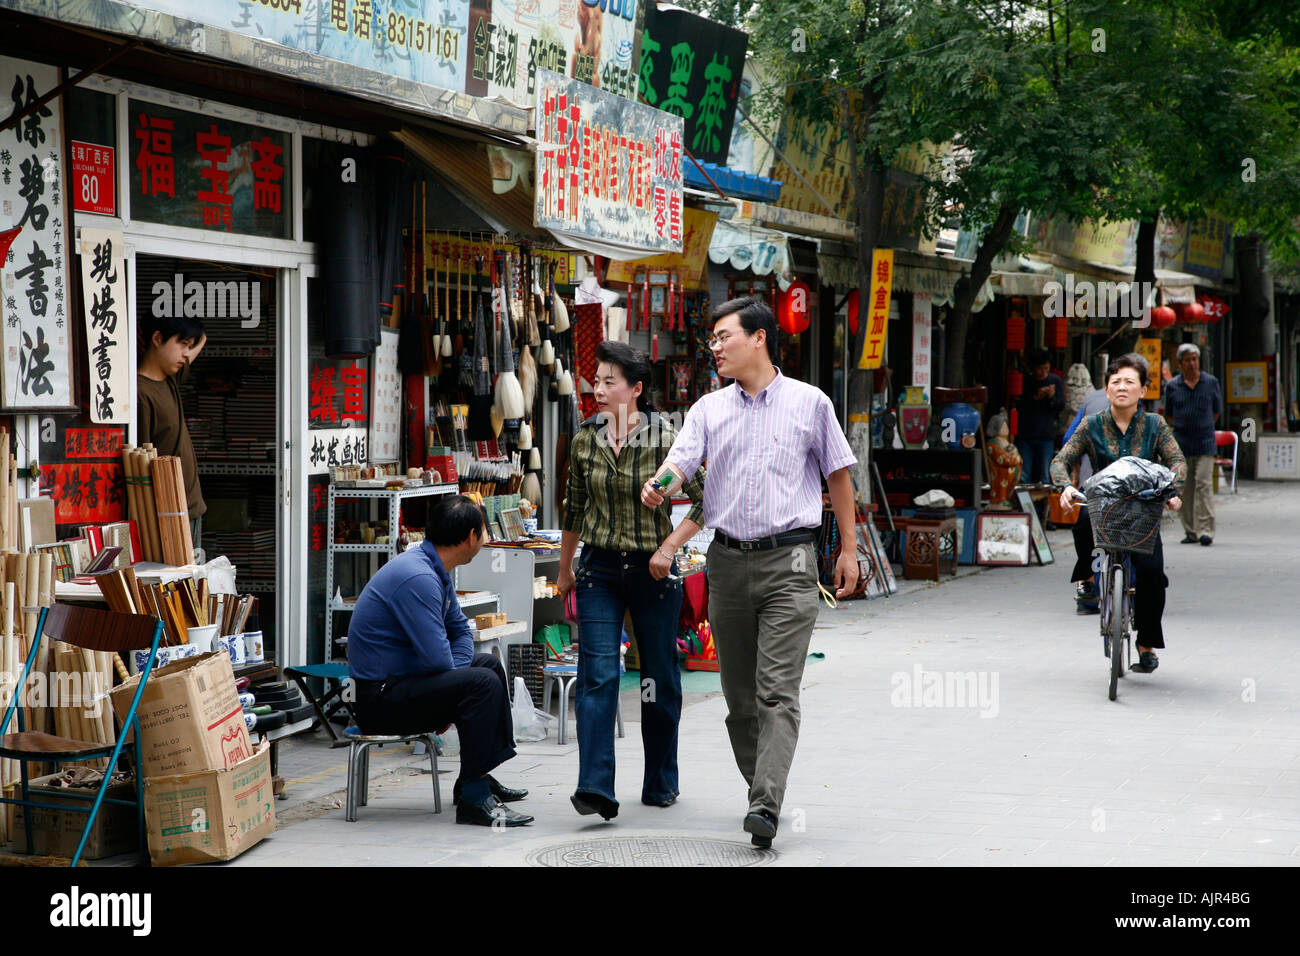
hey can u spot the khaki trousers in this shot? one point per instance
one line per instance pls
(1198, 496)
(762, 608)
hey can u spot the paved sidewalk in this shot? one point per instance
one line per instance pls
(1198, 763)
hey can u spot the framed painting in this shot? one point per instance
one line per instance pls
(679, 375)
(1002, 539)
(1042, 549)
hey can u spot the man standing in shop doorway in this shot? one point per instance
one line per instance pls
(1193, 403)
(171, 344)
(769, 441)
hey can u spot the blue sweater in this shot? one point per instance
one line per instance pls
(408, 621)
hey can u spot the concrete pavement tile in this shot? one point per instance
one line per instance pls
(1262, 841)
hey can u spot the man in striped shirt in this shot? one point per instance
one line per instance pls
(769, 440)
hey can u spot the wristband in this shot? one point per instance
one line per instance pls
(668, 556)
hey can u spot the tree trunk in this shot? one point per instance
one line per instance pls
(994, 241)
(1252, 308)
(869, 199)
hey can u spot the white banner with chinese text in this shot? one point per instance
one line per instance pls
(108, 334)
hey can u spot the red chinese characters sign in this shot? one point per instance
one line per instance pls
(608, 169)
(94, 179)
(85, 492)
(92, 442)
(337, 394)
(206, 173)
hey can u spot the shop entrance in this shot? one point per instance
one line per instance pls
(229, 396)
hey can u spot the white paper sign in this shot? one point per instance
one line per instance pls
(37, 356)
(108, 334)
(921, 310)
(336, 446)
(386, 403)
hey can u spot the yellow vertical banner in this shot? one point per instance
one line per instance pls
(1149, 349)
(882, 280)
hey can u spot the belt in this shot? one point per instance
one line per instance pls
(797, 536)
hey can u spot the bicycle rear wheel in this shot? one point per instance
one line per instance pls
(1117, 626)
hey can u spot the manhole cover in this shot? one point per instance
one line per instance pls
(649, 851)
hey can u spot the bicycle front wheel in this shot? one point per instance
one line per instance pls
(1117, 626)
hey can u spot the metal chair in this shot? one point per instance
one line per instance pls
(565, 677)
(359, 745)
(94, 630)
(1221, 440)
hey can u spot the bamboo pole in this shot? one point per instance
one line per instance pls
(39, 715)
(5, 490)
(11, 536)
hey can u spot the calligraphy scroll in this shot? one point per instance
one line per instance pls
(37, 359)
(108, 333)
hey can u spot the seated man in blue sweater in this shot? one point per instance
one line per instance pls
(411, 653)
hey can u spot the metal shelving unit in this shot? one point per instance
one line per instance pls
(236, 468)
(394, 497)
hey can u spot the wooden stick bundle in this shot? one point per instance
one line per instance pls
(138, 463)
(173, 511)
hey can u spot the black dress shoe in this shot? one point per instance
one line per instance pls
(491, 813)
(659, 801)
(1206, 540)
(761, 826)
(589, 803)
(1189, 539)
(502, 793)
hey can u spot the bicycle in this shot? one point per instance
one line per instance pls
(1121, 526)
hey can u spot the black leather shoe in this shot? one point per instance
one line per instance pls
(589, 803)
(1189, 539)
(491, 813)
(761, 826)
(502, 793)
(1206, 541)
(1146, 663)
(659, 801)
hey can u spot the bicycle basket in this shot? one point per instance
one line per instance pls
(1129, 524)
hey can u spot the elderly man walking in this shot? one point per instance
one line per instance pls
(1193, 403)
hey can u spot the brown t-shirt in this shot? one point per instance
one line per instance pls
(161, 422)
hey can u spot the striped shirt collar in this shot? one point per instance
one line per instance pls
(766, 396)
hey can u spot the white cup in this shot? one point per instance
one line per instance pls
(232, 644)
(254, 650)
(204, 637)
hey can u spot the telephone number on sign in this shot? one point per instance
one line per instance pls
(294, 5)
(425, 37)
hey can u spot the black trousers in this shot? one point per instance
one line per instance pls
(476, 699)
(1151, 583)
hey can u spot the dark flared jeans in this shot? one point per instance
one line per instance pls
(1148, 572)
(609, 585)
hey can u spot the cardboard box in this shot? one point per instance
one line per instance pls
(190, 717)
(484, 621)
(57, 832)
(210, 816)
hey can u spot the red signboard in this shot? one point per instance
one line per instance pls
(85, 493)
(92, 442)
(93, 179)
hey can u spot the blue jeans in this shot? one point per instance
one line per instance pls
(609, 584)
(1037, 454)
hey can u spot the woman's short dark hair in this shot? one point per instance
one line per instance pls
(632, 363)
(185, 328)
(753, 314)
(451, 519)
(1130, 360)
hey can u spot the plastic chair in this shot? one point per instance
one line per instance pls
(1221, 440)
(98, 631)
(332, 699)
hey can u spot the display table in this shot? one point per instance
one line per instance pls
(931, 547)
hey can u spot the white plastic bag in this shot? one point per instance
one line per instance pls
(530, 723)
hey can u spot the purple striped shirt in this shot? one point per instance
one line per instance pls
(766, 454)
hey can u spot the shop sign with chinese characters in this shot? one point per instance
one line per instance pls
(33, 286)
(488, 49)
(103, 289)
(921, 311)
(94, 179)
(691, 67)
(208, 173)
(882, 275)
(330, 447)
(608, 169)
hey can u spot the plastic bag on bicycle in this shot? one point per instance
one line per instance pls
(1121, 520)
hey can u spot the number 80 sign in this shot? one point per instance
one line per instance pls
(93, 182)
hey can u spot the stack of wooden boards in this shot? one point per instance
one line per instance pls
(155, 489)
(180, 605)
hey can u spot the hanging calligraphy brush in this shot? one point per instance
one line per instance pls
(510, 396)
(481, 426)
(528, 376)
(539, 297)
(534, 333)
(525, 440)
(447, 350)
(535, 464)
(553, 389)
(467, 359)
(531, 489)
(429, 337)
(561, 312)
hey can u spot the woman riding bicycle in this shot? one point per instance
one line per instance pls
(1106, 437)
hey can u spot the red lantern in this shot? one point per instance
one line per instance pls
(1162, 317)
(793, 314)
(1058, 332)
(1015, 333)
(853, 313)
(1015, 383)
(1193, 312)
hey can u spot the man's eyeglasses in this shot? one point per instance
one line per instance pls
(717, 341)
